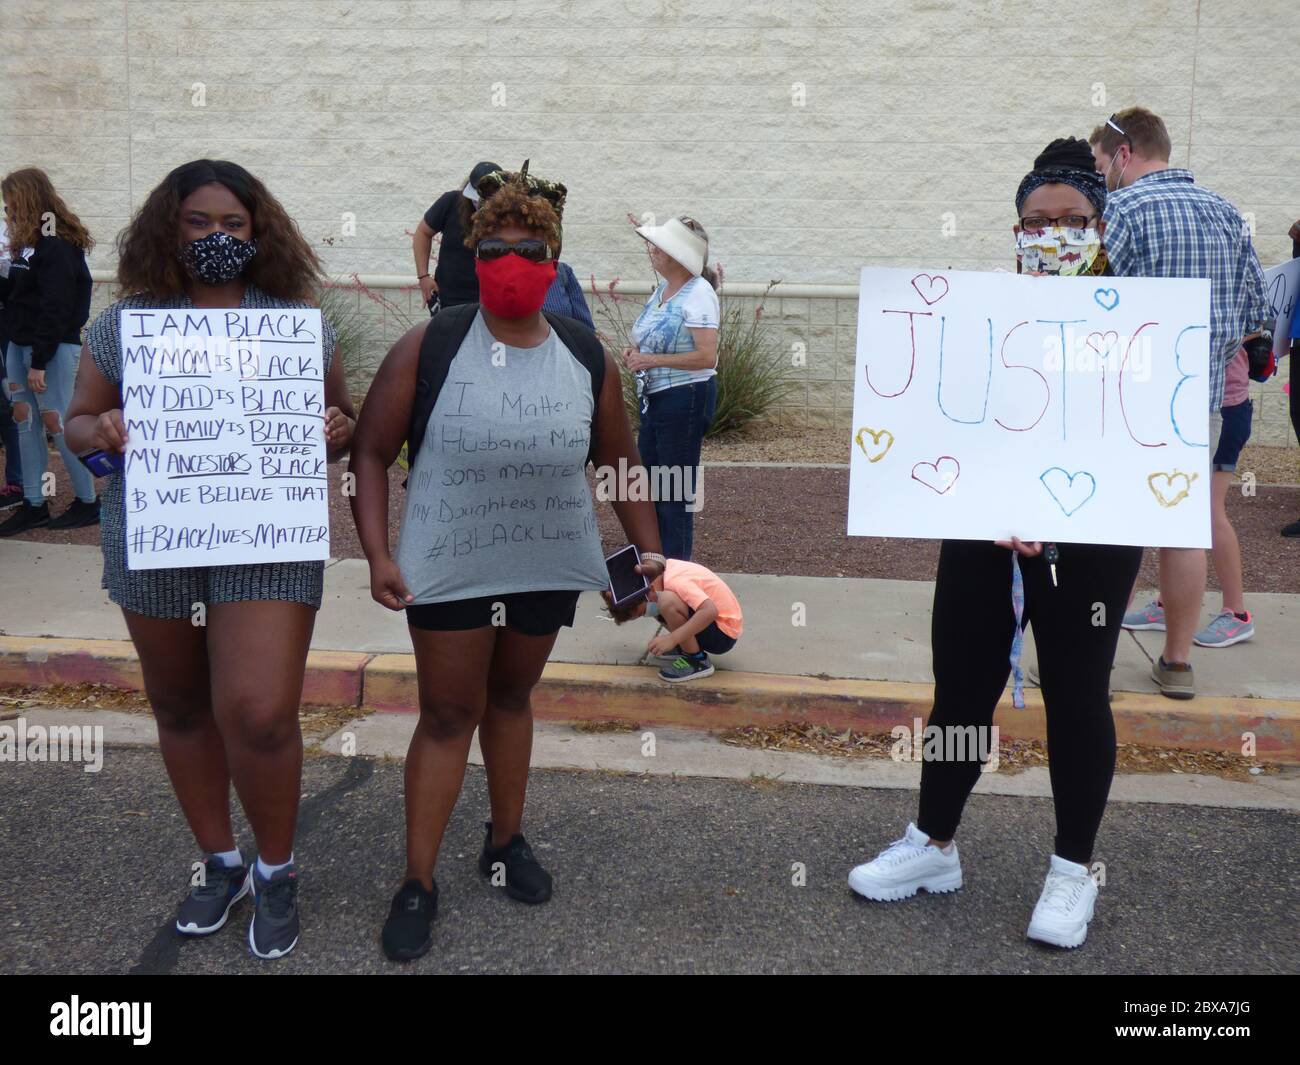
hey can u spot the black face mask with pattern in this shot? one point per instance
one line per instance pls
(216, 258)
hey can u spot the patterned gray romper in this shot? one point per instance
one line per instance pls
(172, 593)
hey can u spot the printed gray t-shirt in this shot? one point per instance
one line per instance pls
(497, 499)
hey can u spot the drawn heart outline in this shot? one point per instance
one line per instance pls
(932, 280)
(875, 435)
(1107, 298)
(1069, 486)
(1111, 339)
(1169, 483)
(942, 477)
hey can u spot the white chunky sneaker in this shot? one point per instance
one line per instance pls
(907, 866)
(1065, 906)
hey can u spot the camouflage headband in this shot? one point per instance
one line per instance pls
(551, 191)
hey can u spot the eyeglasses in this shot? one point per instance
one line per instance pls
(1036, 222)
(532, 249)
(1119, 129)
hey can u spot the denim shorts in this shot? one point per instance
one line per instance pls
(1233, 425)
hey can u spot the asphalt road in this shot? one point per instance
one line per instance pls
(652, 874)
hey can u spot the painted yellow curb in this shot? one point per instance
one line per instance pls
(577, 692)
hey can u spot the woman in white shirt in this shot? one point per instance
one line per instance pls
(675, 361)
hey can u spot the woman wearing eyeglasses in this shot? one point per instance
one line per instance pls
(676, 363)
(986, 592)
(502, 407)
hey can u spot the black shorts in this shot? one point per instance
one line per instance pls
(532, 613)
(712, 639)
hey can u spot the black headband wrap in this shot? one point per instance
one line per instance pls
(1089, 182)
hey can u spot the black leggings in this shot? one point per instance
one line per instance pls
(971, 632)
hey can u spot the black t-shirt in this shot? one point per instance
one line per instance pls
(455, 276)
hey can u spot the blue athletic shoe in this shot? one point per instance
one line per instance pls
(209, 904)
(273, 931)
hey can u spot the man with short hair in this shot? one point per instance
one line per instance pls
(1159, 223)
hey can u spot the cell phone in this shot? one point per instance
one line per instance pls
(626, 585)
(102, 463)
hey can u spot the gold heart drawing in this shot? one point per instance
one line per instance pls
(1169, 479)
(875, 435)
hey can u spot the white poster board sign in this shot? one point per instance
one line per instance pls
(987, 405)
(1282, 283)
(224, 413)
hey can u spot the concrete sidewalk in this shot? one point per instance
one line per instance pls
(875, 630)
(842, 653)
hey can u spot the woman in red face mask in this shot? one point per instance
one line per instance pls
(501, 406)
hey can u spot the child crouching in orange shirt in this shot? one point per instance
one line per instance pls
(701, 614)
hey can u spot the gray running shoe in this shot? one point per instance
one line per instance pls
(687, 667)
(273, 932)
(208, 905)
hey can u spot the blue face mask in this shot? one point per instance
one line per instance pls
(216, 258)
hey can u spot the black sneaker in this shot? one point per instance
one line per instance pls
(77, 516)
(28, 517)
(1293, 529)
(407, 934)
(687, 667)
(273, 931)
(209, 904)
(11, 495)
(525, 879)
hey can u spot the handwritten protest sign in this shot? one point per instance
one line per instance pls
(1282, 283)
(1056, 409)
(224, 413)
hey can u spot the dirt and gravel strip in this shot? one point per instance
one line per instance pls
(777, 443)
(1013, 755)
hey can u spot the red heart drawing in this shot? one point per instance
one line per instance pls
(933, 477)
(932, 282)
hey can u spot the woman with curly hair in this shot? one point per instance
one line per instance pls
(225, 694)
(502, 406)
(46, 302)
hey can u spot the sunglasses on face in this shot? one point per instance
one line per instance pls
(532, 249)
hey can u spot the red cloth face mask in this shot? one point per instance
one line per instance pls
(513, 287)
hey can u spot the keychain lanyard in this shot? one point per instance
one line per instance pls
(1051, 555)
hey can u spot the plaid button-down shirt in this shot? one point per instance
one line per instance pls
(1165, 225)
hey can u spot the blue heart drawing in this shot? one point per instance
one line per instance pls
(1107, 298)
(1067, 492)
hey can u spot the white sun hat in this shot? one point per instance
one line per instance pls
(675, 239)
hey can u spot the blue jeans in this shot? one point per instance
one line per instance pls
(672, 430)
(60, 374)
(9, 437)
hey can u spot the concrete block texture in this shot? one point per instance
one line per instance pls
(810, 136)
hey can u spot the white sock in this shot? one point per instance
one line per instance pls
(230, 859)
(267, 871)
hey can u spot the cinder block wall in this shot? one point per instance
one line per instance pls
(810, 136)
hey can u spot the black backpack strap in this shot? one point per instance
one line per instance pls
(588, 350)
(442, 339)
